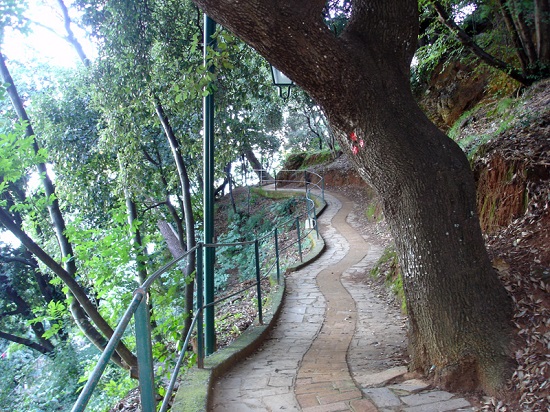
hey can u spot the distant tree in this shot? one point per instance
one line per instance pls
(307, 127)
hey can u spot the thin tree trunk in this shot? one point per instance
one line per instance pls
(171, 238)
(187, 209)
(71, 38)
(58, 223)
(137, 244)
(510, 25)
(227, 170)
(168, 202)
(85, 307)
(317, 134)
(263, 174)
(49, 292)
(525, 35)
(24, 309)
(542, 28)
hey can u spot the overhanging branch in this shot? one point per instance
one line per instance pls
(469, 43)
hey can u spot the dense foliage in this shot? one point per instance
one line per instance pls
(95, 159)
(510, 36)
(89, 168)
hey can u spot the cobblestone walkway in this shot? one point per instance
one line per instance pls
(329, 321)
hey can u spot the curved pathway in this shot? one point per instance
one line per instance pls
(303, 365)
(265, 381)
(324, 377)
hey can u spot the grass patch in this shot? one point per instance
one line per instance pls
(454, 131)
(388, 268)
(374, 212)
(305, 160)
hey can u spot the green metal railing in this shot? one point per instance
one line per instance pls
(310, 180)
(139, 309)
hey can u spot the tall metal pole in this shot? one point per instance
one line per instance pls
(208, 153)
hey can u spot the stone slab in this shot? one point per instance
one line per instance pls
(380, 378)
(426, 397)
(382, 397)
(411, 386)
(442, 406)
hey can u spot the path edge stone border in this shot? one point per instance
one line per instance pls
(194, 393)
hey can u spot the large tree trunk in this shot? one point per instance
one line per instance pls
(458, 310)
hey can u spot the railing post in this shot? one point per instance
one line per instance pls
(305, 180)
(200, 301)
(323, 188)
(275, 172)
(258, 280)
(315, 221)
(277, 255)
(299, 240)
(208, 192)
(145, 357)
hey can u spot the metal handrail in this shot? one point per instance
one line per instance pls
(319, 182)
(138, 308)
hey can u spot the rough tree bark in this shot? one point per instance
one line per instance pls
(458, 310)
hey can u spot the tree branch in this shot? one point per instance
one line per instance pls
(12, 313)
(468, 42)
(76, 290)
(24, 341)
(71, 38)
(15, 259)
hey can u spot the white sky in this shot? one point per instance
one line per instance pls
(41, 44)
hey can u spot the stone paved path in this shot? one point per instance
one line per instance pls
(316, 359)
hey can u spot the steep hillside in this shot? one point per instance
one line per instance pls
(512, 170)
